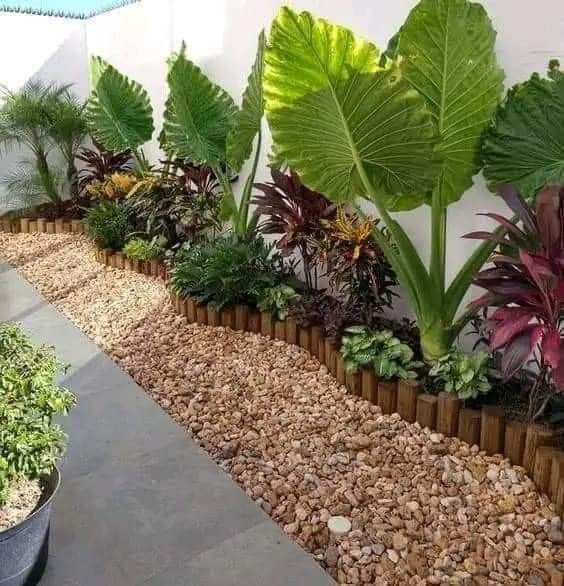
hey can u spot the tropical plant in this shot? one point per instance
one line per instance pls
(202, 124)
(26, 121)
(143, 250)
(108, 224)
(115, 187)
(466, 375)
(226, 271)
(30, 442)
(276, 300)
(353, 127)
(119, 112)
(525, 284)
(99, 164)
(524, 146)
(67, 130)
(294, 212)
(181, 201)
(356, 267)
(381, 350)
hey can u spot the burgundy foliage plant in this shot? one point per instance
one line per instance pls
(526, 286)
(295, 212)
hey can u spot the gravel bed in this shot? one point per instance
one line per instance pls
(424, 509)
(59, 273)
(109, 306)
(22, 500)
(18, 249)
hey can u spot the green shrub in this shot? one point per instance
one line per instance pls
(277, 300)
(30, 443)
(381, 350)
(144, 250)
(226, 271)
(108, 224)
(467, 375)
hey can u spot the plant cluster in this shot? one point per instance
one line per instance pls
(381, 350)
(276, 300)
(109, 224)
(30, 441)
(143, 250)
(227, 271)
(466, 375)
(116, 186)
(181, 202)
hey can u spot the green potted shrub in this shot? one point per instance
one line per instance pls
(30, 445)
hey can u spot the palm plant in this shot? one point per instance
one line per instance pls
(119, 113)
(203, 125)
(25, 121)
(68, 130)
(398, 132)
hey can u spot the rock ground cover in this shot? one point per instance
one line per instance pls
(424, 509)
(20, 504)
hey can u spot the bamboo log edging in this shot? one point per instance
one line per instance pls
(526, 445)
(42, 226)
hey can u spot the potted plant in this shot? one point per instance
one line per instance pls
(30, 445)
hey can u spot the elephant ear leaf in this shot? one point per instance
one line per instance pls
(198, 114)
(525, 145)
(448, 51)
(119, 113)
(247, 120)
(346, 125)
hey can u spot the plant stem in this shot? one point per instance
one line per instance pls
(438, 243)
(242, 215)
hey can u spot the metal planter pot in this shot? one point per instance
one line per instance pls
(24, 548)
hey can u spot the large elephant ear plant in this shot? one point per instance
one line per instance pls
(203, 124)
(397, 132)
(119, 112)
(525, 145)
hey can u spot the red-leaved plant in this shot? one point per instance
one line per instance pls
(526, 284)
(295, 212)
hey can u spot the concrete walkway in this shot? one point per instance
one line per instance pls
(140, 502)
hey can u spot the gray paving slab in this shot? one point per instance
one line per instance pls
(140, 502)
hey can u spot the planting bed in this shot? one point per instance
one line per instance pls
(424, 508)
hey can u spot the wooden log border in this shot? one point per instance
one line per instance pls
(529, 446)
(41, 226)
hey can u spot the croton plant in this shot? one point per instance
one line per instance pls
(526, 283)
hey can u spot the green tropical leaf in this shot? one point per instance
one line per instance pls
(448, 50)
(525, 145)
(119, 113)
(339, 119)
(198, 114)
(247, 121)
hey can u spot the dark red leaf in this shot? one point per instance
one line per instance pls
(517, 353)
(551, 347)
(507, 330)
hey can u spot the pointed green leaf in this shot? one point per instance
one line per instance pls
(336, 115)
(119, 113)
(448, 50)
(525, 146)
(247, 121)
(198, 114)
